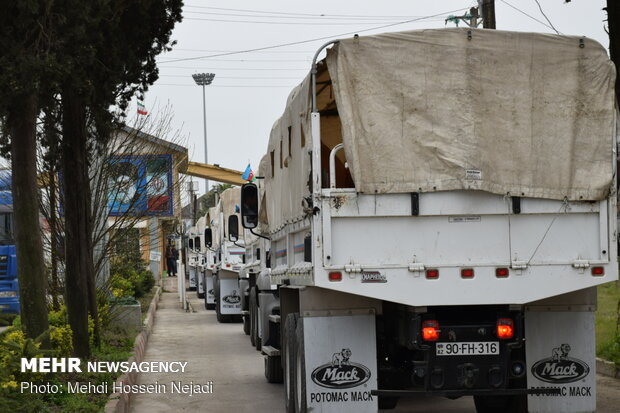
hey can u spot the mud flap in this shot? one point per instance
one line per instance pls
(230, 297)
(192, 278)
(560, 354)
(209, 287)
(201, 286)
(341, 363)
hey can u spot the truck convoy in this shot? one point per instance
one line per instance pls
(9, 285)
(440, 207)
(215, 257)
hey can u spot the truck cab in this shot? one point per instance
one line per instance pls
(9, 284)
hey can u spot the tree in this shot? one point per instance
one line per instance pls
(108, 50)
(24, 71)
(613, 25)
(613, 28)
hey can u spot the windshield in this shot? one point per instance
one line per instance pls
(6, 228)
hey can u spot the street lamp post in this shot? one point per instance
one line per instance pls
(204, 79)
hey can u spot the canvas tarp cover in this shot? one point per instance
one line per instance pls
(288, 163)
(505, 112)
(229, 201)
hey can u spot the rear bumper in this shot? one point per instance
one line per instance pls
(460, 393)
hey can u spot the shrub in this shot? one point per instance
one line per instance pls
(61, 339)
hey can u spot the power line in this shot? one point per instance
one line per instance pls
(223, 51)
(284, 23)
(528, 15)
(304, 17)
(547, 18)
(258, 60)
(298, 14)
(243, 77)
(307, 68)
(312, 40)
(236, 86)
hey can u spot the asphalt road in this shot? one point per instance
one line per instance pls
(221, 354)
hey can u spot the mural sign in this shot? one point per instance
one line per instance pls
(140, 185)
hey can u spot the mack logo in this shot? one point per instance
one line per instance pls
(210, 292)
(341, 373)
(559, 368)
(233, 298)
(373, 277)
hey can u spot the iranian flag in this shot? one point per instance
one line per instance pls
(141, 109)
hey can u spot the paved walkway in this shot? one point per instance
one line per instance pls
(215, 352)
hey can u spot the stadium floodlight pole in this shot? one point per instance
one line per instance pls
(204, 79)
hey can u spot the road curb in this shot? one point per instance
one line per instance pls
(607, 368)
(121, 402)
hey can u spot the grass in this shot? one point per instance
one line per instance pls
(607, 338)
(145, 301)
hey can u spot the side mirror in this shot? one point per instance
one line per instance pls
(190, 243)
(233, 228)
(208, 237)
(197, 243)
(249, 206)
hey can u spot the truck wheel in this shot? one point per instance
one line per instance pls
(246, 325)
(253, 317)
(301, 403)
(387, 403)
(504, 404)
(273, 369)
(218, 315)
(288, 358)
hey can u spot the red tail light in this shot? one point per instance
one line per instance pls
(467, 273)
(505, 328)
(430, 330)
(598, 271)
(335, 276)
(501, 272)
(432, 274)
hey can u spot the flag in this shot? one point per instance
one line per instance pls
(248, 175)
(141, 109)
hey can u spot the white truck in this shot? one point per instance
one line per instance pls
(212, 243)
(193, 254)
(260, 295)
(229, 259)
(441, 205)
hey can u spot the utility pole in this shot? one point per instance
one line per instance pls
(204, 79)
(488, 13)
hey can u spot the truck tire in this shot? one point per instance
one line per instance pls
(299, 370)
(387, 403)
(253, 308)
(288, 359)
(273, 369)
(246, 325)
(504, 404)
(216, 290)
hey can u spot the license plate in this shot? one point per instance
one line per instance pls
(474, 348)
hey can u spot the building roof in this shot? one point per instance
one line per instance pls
(181, 151)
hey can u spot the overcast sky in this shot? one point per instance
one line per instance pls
(250, 89)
